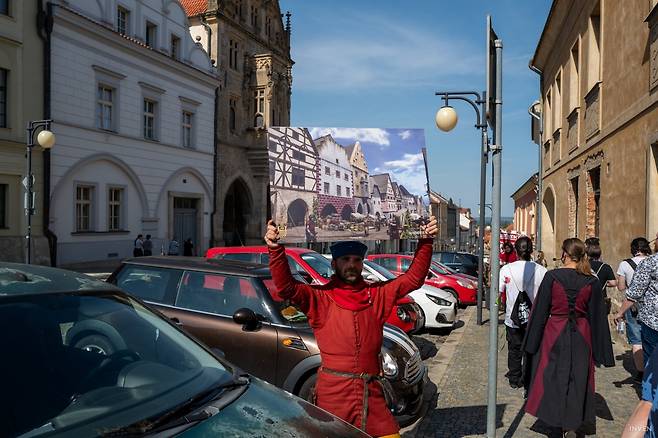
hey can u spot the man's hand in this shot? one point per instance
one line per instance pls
(430, 230)
(272, 235)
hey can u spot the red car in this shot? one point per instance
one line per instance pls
(316, 269)
(461, 286)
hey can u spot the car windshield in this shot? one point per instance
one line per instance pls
(289, 311)
(442, 269)
(27, 279)
(90, 363)
(382, 270)
(320, 264)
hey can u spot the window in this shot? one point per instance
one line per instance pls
(149, 283)
(219, 294)
(231, 114)
(347, 191)
(123, 21)
(83, 204)
(573, 207)
(114, 202)
(4, 75)
(557, 103)
(298, 155)
(149, 119)
(4, 7)
(233, 54)
(594, 52)
(4, 192)
(104, 107)
(151, 34)
(272, 170)
(339, 191)
(259, 101)
(254, 17)
(574, 93)
(404, 264)
(175, 47)
(390, 263)
(595, 180)
(297, 176)
(268, 26)
(326, 188)
(347, 177)
(327, 171)
(187, 121)
(548, 129)
(338, 174)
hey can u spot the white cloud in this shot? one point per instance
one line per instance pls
(368, 135)
(404, 135)
(408, 160)
(408, 171)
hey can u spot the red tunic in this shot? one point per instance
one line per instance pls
(348, 322)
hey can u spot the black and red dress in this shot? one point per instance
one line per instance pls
(567, 334)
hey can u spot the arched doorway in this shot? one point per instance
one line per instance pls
(346, 212)
(548, 224)
(327, 210)
(297, 211)
(359, 209)
(237, 210)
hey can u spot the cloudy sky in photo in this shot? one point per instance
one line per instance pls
(397, 152)
(379, 63)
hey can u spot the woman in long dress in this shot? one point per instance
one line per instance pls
(566, 336)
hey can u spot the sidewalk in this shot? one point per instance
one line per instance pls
(459, 408)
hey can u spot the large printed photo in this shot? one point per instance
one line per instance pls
(329, 184)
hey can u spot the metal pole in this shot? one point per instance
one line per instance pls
(495, 238)
(484, 155)
(28, 199)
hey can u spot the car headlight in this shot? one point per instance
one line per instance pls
(438, 301)
(389, 366)
(403, 315)
(467, 284)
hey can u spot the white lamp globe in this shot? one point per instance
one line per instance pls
(446, 118)
(46, 139)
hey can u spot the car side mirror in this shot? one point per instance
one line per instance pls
(369, 277)
(247, 318)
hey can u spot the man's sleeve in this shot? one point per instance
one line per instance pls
(641, 280)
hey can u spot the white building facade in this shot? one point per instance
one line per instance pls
(336, 191)
(133, 106)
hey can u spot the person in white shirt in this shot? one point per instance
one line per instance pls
(521, 275)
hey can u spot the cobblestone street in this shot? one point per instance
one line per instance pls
(458, 402)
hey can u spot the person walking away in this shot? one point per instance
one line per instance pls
(640, 250)
(138, 246)
(173, 247)
(541, 259)
(602, 270)
(644, 292)
(644, 420)
(147, 246)
(347, 316)
(525, 276)
(567, 335)
(188, 247)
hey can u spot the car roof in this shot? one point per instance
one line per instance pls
(23, 279)
(220, 266)
(254, 249)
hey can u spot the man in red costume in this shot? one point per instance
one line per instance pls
(347, 316)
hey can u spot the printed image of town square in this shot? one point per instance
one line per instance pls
(329, 184)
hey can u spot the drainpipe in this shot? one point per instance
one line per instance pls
(214, 171)
(540, 170)
(209, 30)
(44, 29)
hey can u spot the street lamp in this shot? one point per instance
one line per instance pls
(446, 119)
(45, 139)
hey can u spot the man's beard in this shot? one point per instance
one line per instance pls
(355, 276)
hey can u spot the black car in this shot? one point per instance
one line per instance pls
(58, 379)
(461, 262)
(233, 305)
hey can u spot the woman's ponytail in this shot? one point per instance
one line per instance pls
(575, 249)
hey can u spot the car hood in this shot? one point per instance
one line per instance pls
(438, 292)
(264, 410)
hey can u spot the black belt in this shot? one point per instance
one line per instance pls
(367, 378)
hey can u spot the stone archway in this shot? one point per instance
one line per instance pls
(327, 210)
(297, 211)
(346, 212)
(237, 210)
(548, 224)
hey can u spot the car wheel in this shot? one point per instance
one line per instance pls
(307, 391)
(96, 344)
(454, 294)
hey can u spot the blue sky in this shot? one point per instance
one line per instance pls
(378, 63)
(397, 152)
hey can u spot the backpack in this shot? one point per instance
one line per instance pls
(634, 309)
(522, 307)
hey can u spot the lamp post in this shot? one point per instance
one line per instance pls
(45, 139)
(446, 119)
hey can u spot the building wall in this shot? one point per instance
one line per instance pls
(151, 172)
(334, 156)
(21, 54)
(524, 214)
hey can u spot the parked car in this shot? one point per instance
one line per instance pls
(315, 269)
(82, 358)
(234, 306)
(462, 288)
(438, 308)
(461, 262)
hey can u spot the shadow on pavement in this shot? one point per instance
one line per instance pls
(627, 363)
(515, 423)
(466, 420)
(427, 348)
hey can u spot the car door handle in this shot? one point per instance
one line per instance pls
(176, 321)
